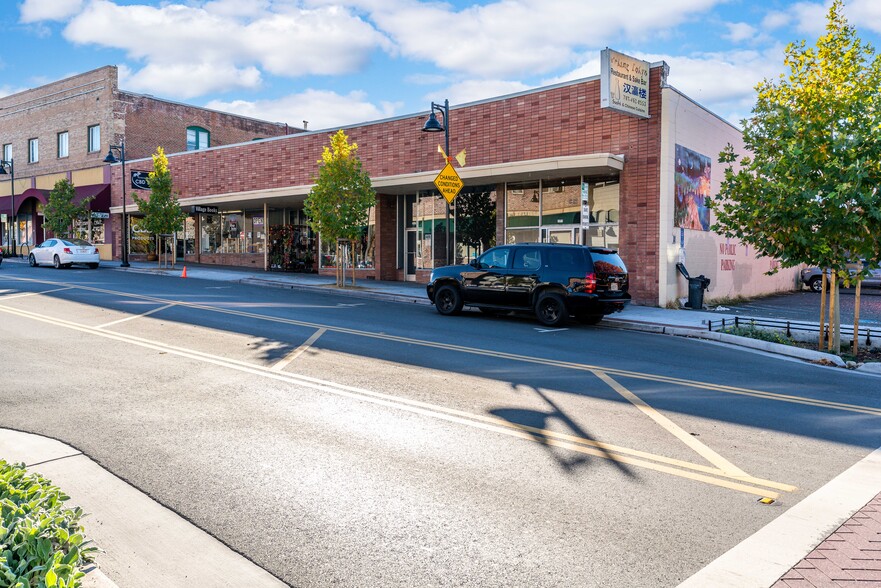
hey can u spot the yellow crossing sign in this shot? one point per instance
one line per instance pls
(448, 183)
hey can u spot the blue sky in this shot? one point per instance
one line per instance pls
(336, 62)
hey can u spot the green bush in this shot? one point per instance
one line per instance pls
(41, 541)
(754, 332)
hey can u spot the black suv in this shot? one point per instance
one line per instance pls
(553, 280)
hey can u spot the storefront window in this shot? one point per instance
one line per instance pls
(522, 207)
(561, 202)
(25, 229)
(550, 210)
(363, 248)
(605, 201)
(90, 229)
(141, 240)
(210, 226)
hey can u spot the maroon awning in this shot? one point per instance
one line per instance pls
(100, 203)
(101, 192)
(41, 195)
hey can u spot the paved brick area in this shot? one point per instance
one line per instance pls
(851, 556)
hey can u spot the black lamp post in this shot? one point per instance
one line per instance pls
(432, 125)
(4, 164)
(112, 159)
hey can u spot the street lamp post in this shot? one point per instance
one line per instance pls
(4, 164)
(112, 159)
(433, 126)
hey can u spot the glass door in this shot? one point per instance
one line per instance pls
(566, 235)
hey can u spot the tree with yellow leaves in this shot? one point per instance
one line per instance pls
(339, 203)
(162, 213)
(808, 194)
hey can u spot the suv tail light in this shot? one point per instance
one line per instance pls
(590, 283)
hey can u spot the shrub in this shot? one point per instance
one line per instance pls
(41, 541)
(754, 332)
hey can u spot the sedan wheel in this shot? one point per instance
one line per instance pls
(56, 262)
(550, 309)
(448, 300)
(32, 261)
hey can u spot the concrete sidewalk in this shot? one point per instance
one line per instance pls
(829, 539)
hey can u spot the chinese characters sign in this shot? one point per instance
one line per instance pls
(624, 83)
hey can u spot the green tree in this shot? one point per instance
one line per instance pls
(60, 212)
(807, 194)
(476, 220)
(162, 213)
(339, 203)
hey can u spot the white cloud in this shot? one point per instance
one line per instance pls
(775, 20)
(37, 10)
(323, 109)
(225, 45)
(810, 18)
(522, 37)
(474, 90)
(186, 80)
(740, 31)
(865, 13)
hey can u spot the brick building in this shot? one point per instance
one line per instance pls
(64, 129)
(541, 158)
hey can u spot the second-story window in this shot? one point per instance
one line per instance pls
(7, 152)
(33, 150)
(63, 141)
(94, 138)
(197, 138)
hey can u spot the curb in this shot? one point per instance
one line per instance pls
(329, 289)
(777, 348)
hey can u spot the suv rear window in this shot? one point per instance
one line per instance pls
(606, 261)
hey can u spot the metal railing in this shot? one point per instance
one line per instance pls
(787, 326)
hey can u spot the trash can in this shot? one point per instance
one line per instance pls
(696, 287)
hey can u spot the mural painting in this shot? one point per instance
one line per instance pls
(692, 185)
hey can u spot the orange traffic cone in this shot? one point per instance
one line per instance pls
(184, 273)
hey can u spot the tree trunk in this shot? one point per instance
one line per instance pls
(821, 339)
(835, 312)
(339, 267)
(856, 320)
(353, 265)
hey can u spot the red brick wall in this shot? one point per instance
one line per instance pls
(150, 123)
(71, 105)
(553, 122)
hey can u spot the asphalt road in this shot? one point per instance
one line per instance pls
(805, 306)
(350, 442)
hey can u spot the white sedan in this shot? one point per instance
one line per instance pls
(64, 253)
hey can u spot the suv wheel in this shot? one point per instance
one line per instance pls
(550, 309)
(816, 284)
(448, 300)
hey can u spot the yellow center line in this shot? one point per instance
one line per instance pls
(658, 463)
(672, 428)
(281, 365)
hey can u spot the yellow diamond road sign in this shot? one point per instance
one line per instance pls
(448, 183)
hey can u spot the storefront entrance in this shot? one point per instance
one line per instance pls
(570, 234)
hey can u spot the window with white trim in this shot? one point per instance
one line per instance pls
(94, 138)
(33, 150)
(63, 144)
